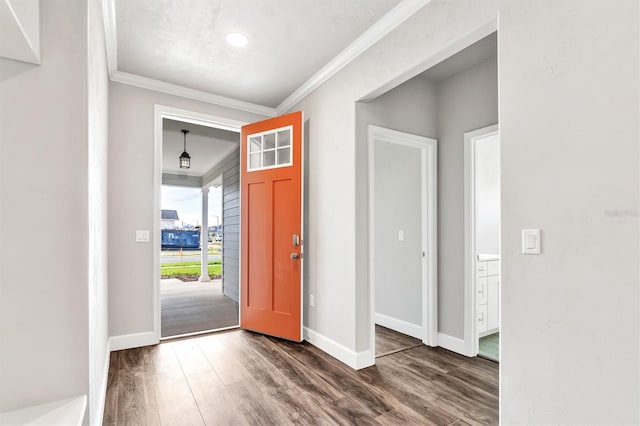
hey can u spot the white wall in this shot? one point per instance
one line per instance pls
(44, 215)
(98, 123)
(569, 154)
(558, 105)
(131, 127)
(466, 101)
(487, 182)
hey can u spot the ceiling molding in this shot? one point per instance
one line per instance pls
(185, 92)
(110, 36)
(377, 31)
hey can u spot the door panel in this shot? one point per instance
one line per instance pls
(286, 270)
(271, 209)
(257, 257)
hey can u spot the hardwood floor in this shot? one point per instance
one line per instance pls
(389, 341)
(242, 378)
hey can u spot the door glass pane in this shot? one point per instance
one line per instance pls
(284, 138)
(269, 141)
(255, 144)
(284, 155)
(269, 159)
(254, 162)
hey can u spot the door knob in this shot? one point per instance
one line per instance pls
(295, 256)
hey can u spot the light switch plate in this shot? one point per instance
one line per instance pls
(142, 236)
(400, 235)
(531, 241)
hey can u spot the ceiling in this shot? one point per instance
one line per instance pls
(206, 146)
(183, 42)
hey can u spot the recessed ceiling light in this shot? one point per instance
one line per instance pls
(237, 39)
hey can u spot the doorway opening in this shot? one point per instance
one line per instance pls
(482, 240)
(402, 212)
(192, 297)
(442, 102)
(196, 253)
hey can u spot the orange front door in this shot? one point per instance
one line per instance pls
(271, 255)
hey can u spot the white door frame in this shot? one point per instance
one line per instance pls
(470, 139)
(161, 112)
(429, 178)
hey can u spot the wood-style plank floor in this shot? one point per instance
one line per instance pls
(242, 378)
(389, 341)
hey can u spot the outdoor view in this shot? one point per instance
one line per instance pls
(181, 227)
(191, 302)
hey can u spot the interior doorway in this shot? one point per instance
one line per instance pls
(482, 240)
(402, 220)
(443, 101)
(196, 259)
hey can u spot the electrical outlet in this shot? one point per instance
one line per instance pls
(312, 300)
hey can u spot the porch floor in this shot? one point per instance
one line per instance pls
(189, 307)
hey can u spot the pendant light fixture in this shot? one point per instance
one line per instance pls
(185, 158)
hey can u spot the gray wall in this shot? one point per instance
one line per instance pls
(131, 207)
(398, 206)
(487, 178)
(466, 101)
(230, 169)
(53, 307)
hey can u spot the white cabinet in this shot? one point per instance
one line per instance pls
(487, 295)
(481, 316)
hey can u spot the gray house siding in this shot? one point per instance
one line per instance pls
(231, 230)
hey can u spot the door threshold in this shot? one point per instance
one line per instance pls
(198, 333)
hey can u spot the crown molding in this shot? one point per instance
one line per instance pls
(377, 31)
(110, 37)
(185, 92)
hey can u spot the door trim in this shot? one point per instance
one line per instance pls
(161, 112)
(470, 335)
(429, 155)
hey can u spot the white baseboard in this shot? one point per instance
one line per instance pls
(136, 340)
(353, 359)
(453, 344)
(97, 416)
(400, 326)
(365, 359)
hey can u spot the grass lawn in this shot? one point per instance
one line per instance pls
(174, 270)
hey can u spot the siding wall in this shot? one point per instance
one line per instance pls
(231, 221)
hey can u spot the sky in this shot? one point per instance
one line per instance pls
(188, 203)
